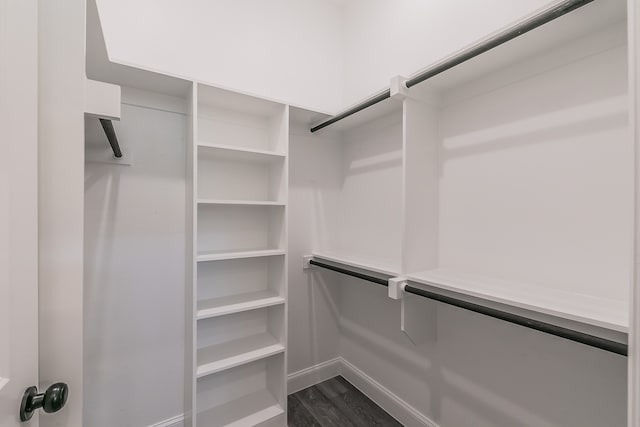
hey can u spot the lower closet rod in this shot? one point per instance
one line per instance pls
(362, 276)
(558, 331)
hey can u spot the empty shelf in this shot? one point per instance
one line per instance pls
(240, 153)
(377, 265)
(218, 256)
(239, 202)
(237, 303)
(234, 353)
(604, 313)
(249, 410)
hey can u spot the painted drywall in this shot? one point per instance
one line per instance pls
(386, 38)
(288, 50)
(314, 182)
(322, 55)
(529, 191)
(480, 371)
(135, 270)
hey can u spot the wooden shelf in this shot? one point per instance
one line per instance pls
(219, 256)
(604, 313)
(239, 202)
(240, 153)
(237, 303)
(234, 353)
(249, 410)
(378, 265)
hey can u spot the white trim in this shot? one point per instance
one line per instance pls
(177, 421)
(156, 101)
(313, 375)
(406, 414)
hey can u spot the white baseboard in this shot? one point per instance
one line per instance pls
(177, 421)
(385, 398)
(382, 396)
(313, 375)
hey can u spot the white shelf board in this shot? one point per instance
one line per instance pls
(239, 153)
(378, 265)
(234, 353)
(575, 25)
(604, 313)
(219, 256)
(236, 303)
(249, 410)
(239, 202)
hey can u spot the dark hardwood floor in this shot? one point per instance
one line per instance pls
(335, 403)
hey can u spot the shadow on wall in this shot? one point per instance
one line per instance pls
(479, 368)
(134, 272)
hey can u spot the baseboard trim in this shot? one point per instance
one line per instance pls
(385, 398)
(177, 421)
(313, 375)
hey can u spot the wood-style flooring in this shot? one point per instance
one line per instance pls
(335, 403)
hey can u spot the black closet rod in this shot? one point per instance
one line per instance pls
(362, 276)
(498, 39)
(558, 331)
(107, 125)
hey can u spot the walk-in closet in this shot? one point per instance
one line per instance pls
(328, 213)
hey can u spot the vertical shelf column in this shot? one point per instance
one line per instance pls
(238, 312)
(633, 381)
(421, 174)
(191, 270)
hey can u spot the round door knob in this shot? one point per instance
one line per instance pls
(50, 401)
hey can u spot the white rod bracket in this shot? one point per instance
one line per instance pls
(418, 317)
(305, 261)
(399, 88)
(396, 287)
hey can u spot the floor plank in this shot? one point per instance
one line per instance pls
(336, 403)
(299, 416)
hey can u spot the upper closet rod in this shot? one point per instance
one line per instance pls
(107, 125)
(502, 37)
(558, 331)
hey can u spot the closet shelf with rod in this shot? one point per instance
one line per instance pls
(484, 56)
(527, 322)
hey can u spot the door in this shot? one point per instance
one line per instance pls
(41, 164)
(18, 207)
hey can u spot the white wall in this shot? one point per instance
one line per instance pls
(479, 371)
(288, 50)
(319, 54)
(315, 178)
(135, 271)
(385, 38)
(528, 191)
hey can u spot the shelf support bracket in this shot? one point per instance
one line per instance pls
(418, 317)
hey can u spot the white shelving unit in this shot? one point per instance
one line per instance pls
(247, 398)
(239, 206)
(506, 178)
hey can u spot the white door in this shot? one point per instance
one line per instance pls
(18, 207)
(40, 293)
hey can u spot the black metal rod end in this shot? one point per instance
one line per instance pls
(107, 126)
